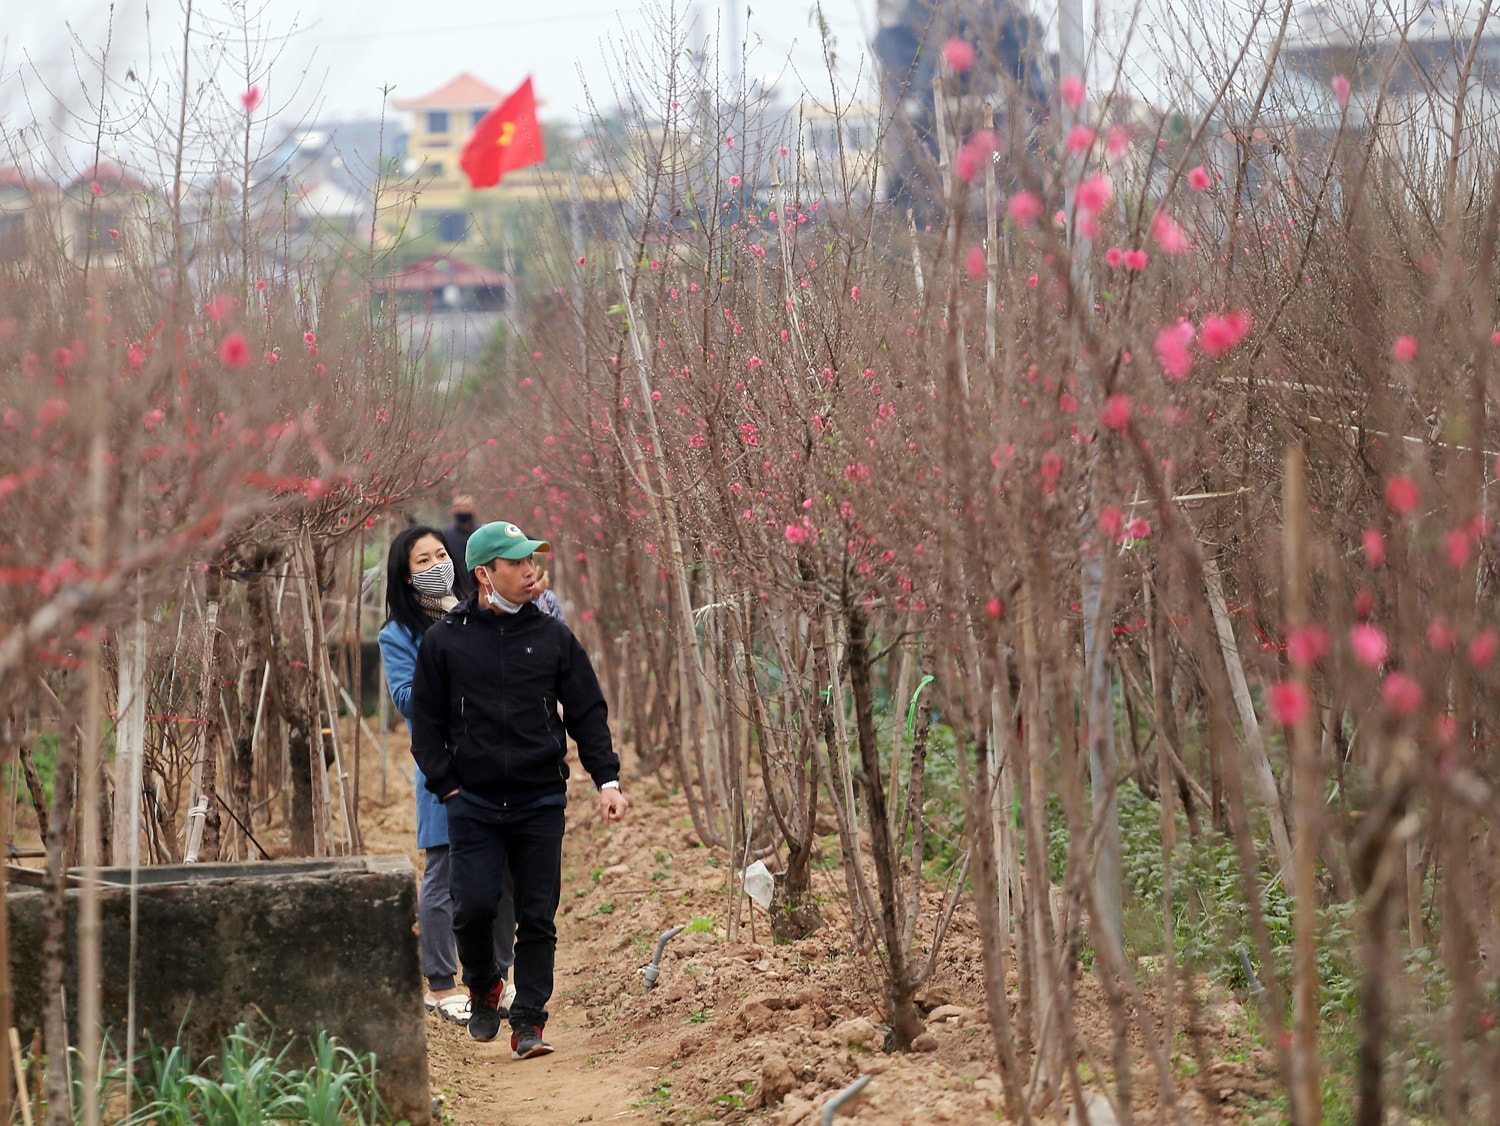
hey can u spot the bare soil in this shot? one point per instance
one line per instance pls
(746, 1028)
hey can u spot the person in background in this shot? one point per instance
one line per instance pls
(486, 730)
(545, 600)
(457, 536)
(419, 591)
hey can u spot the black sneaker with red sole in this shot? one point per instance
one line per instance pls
(485, 1012)
(527, 1042)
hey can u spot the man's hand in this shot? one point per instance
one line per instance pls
(612, 805)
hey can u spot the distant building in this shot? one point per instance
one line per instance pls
(439, 126)
(320, 183)
(1403, 68)
(93, 219)
(842, 148)
(448, 310)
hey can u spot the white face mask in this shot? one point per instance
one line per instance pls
(436, 581)
(501, 604)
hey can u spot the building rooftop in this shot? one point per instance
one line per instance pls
(463, 92)
(439, 271)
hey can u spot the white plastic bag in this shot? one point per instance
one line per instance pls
(759, 884)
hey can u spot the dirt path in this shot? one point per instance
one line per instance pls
(589, 1078)
(743, 1029)
(586, 1080)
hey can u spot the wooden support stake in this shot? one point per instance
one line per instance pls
(326, 682)
(22, 1096)
(1307, 795)
(202, 737)
(307, 588)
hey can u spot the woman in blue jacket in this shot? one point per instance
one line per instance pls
(419, 591)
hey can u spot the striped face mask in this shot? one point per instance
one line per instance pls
(436, 581)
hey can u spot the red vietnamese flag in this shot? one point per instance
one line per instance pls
(505, 139)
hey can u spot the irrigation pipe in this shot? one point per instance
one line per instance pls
(653, 971)
(831, 1107)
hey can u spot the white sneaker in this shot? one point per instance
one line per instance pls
(507, 998)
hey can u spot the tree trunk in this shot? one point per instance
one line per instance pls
(287, 696)
(900, 991)
(992, 933)
(54, 927)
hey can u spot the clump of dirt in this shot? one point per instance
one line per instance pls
(742, 1028)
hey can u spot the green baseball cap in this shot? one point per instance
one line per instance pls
(500, 540)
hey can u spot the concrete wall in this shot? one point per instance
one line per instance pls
(298, 946)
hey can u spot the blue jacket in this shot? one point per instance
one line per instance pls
(398, 651)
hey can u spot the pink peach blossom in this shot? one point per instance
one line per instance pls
(1457, 543)
(1198, 179)
(1405, 349)
(1340, 86)
(1095, 193)
(1080, 138)
(1482, 647)
(1402, 495)
(958, 54)
(1173, 348)
(1306, 645)
(1168, 234)
(234, 351)
(1024, 208)
(1289, 702)
(1402, 694)
(1221, 332)
(1072, 90)
(1369, 644)
(1116, 412)
(1374, 545)
(966, 164)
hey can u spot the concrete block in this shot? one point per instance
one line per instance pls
(297, 946)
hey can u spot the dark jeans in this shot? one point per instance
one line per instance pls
(482, 837)
(435, 920)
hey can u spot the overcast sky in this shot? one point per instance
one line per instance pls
(350, 49)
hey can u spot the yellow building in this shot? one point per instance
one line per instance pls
(440, 125)
(436, 207)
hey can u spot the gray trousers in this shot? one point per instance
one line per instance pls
(435, 919)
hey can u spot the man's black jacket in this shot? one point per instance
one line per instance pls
(484, 703)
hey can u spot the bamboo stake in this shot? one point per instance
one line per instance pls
(91, 754)
(1307, 795)
(8, 734)
(695, 690)
(384, 696)
(199, 803)
(354, 639)
(991, 248)
(326, 683)
(321, 816)
(1260, 764)
(22, 1096)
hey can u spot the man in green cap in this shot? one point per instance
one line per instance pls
(486, 732)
